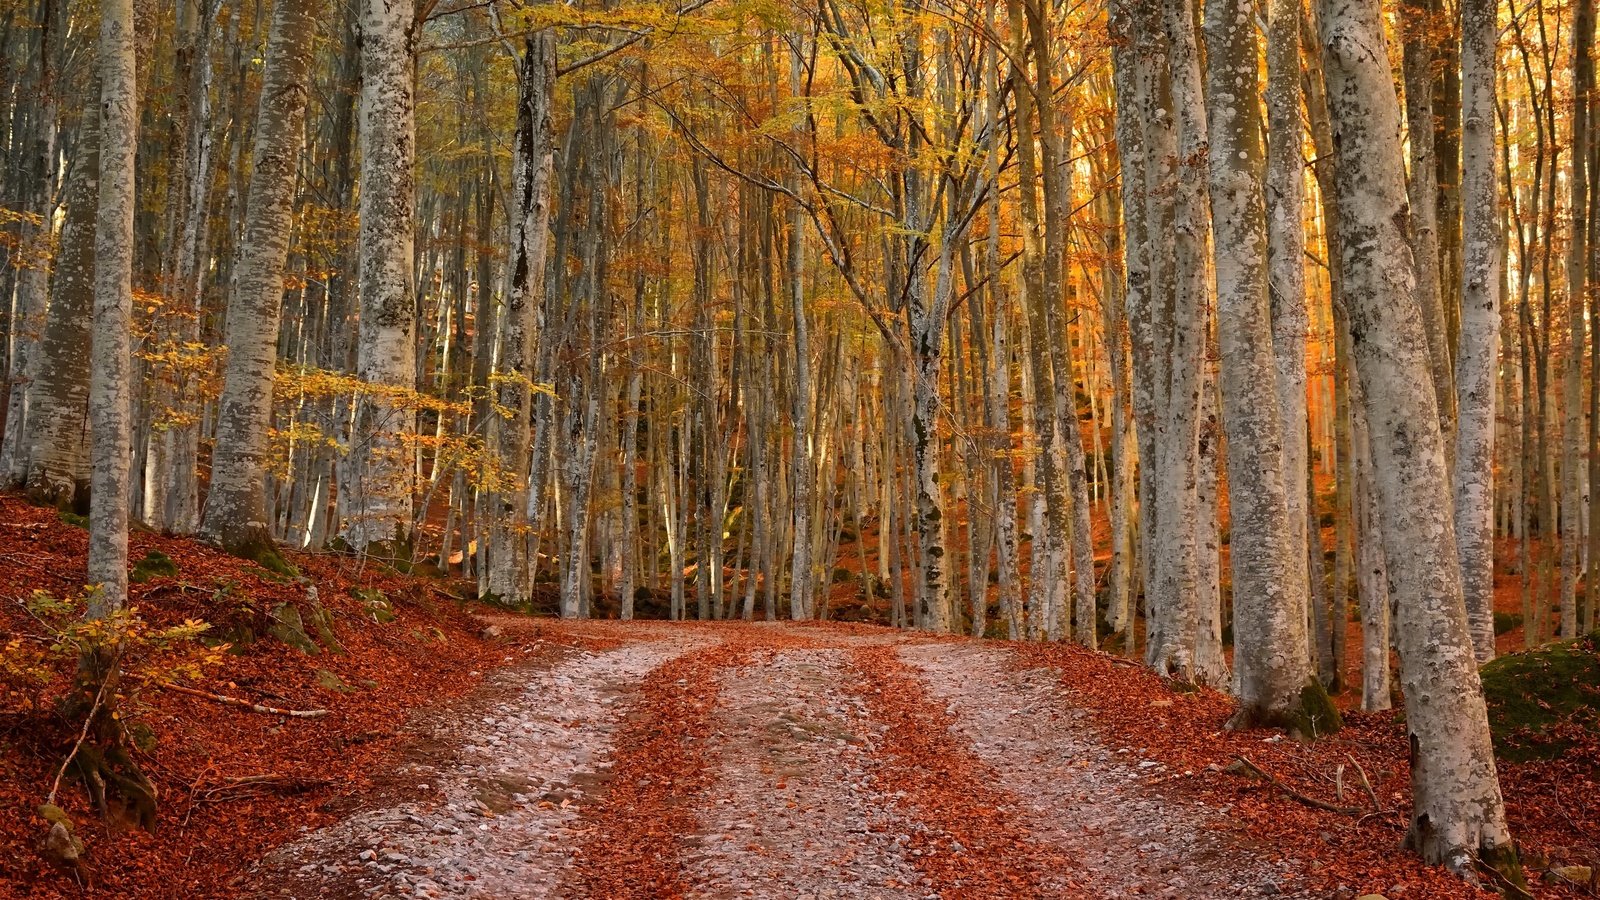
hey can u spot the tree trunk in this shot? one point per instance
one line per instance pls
(1418, 27)
(1267, 549)
(1286, 245)
(802, 578)
(58, 461)
(1478, 350)
(110, 405)
(377, 480)
(1176, 566)
(110, 382)
(1458, 817)
(535, 150)
(236, 512)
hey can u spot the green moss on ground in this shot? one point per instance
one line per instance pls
(1318, 716)
(1535, 696)
(154, 565)
(265, 555)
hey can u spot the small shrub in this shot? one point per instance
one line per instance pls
(34, 664)
(1505, 623)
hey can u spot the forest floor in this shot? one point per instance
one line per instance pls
(469, 753)
(731, 760)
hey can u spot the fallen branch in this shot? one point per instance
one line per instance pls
(1240, 764)
(1371, 794)
(246, 704)
(252, 785)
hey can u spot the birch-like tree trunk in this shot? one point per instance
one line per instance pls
(1209, 654)
(1176, 566)
(1478, 351)
(1130, 79)
(110, 382)
(1418, 28)
(1047, 571)
(530, 240)
(997, 410)
(1286, 245)
(802, 577)
(1056, 182)
(377, 480)
(111, 391)
(36, 229)
(1268, 552)
(236, 510)
(927, 317)
(1372, 572)
(1458, 816)
(179, 449)
(1572, 431)
(58, 460)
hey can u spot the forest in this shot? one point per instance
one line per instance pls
(999, 448)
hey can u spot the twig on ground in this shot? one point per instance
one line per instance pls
(246, 704)
(252, 785)
(1371, 794)
(1242, 764)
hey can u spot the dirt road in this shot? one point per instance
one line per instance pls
(773, 761)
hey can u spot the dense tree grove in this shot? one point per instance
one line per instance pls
(1193, 331)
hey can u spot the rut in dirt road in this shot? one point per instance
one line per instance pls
(778, 761)
(497, 819)
(794, 811)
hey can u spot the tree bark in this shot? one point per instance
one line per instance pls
(1176, 567)
(1267, 549)
(110, 382)
(377, 480)
(1478, 350)
(236, 511)
(58, 461)
(1458, 816)
(519, 332)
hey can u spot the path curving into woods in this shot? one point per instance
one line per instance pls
(773, 761)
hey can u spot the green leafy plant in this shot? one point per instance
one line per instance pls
(37, 662)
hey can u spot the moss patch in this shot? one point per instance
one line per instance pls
(330, 681)
(321, 620)
(287, 626)
(1317, 717)
(1537, 695)
(267, 557)
(154, 565)
(375, 602)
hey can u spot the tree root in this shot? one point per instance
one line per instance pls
(111, 776)
(1504, 870)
